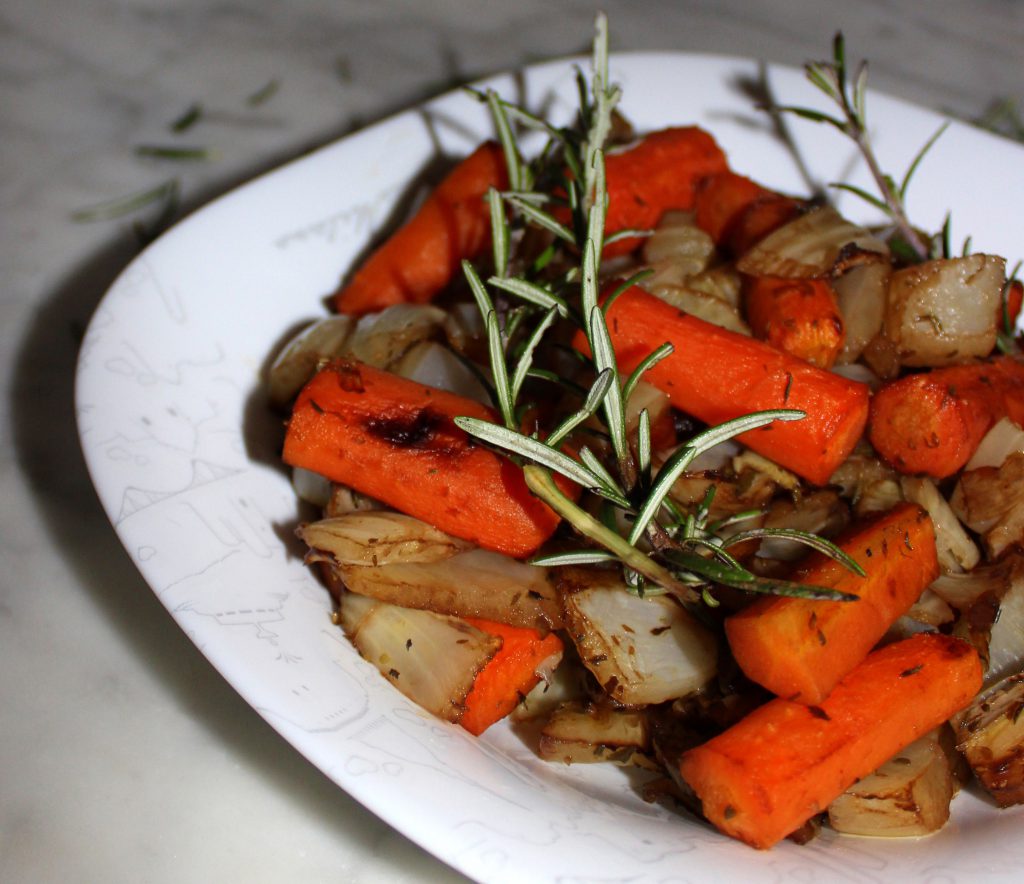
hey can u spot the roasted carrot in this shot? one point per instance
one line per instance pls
(716, 375)
(660, 173)
(719, 201)
(785, 762)
(799, 649)
(509, 675)
(800, 316)
(421, 258)
(932, 422)
(759, 219)
(1009, 309)
(395, 440)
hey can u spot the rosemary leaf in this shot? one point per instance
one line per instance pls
(683, 456)
(527, 447)
(649, 361)
(863, 194)
(508, 143)
(499, 371)
(526, 357)
(643, 444)
(188, 119)
(740, 578)
(167, 192)
(263, 94)
(614, 407)
(579, 557)
(820, 544)
(499, 232)
(171, 152)
(539, 481)
(610, 484)
(541, 218)
(532, 293)
(595, 396)
(902, 190)
(625, 286)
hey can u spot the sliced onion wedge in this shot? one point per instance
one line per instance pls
(956, 551)
(820, 243)
(944, 312)
(640, 650)
(377, 537)
(477, 583)
(300, 357)
(432, 659)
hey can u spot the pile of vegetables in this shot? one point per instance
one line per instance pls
(702, 477)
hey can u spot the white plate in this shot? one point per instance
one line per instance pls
(183, 454)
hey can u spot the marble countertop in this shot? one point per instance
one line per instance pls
(124, 756)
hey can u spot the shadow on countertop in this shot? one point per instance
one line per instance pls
(48, 454)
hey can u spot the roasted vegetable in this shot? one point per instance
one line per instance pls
(990, 733)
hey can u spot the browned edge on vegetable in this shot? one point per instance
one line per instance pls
(717, 375)
(421, 258)
(799, 648)
(931, 423)
(785, 762)
(395, 440)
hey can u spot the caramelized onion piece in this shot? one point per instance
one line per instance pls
(944, 312)
(641, 650)
(477, 583)
(820, 243)
(298, 360)
(377, 537)
(432, 659)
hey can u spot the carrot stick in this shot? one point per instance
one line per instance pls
(509, 675)
(660, 173)
(799, 649)
(421, 258)
(800, 316)
(785, 762)
(1010, 307)
(394, 440)
(931, 423)
(759, 219)
(716, 375)
(719, 201)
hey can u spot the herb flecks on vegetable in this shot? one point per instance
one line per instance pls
(849, 94)
(664, 550)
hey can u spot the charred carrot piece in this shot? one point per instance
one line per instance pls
(785, 762)
(800, 316)
(721, 199)
(509, 675)
(660, 173)
(759, 219)
(799, 649)
(395, 440)
(421, 258)
(931, 423)
(716, 375)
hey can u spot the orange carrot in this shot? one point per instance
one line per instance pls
(785, 762)
(931, 423)
(799, 649)
(800, 316)
(1010, 309)
(759, 219)
(721, 199)
(395, 440)
(660, 173)
(509, 675)
(716, 375)
(421, 258)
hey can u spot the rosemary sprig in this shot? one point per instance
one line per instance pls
(687, 555)
(848, 92)
(164, 194)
